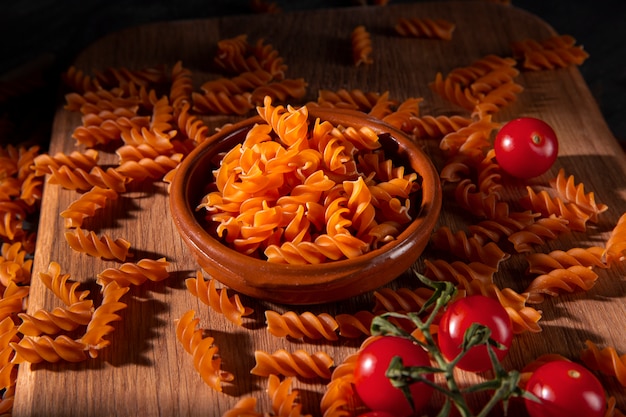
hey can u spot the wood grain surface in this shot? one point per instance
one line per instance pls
(145, 371)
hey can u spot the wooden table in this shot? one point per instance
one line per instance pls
(145, 370)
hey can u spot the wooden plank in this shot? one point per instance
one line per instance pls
(145, 371)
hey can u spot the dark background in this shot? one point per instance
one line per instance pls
(44, 35)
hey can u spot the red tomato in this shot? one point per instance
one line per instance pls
(565, 389)
(377, 414)
(526, 147)
(373, 386)
(459, 316)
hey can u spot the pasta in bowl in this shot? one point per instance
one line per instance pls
(306, 205)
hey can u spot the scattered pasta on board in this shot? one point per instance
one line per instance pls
(152, 134)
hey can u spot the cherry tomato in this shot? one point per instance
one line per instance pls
(373, 386)
(526, 147)
(565, 388)
(459, 316)
(377, 414)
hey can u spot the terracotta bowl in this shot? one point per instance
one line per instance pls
(303, 284)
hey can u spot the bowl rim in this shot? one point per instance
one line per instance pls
(423, 224)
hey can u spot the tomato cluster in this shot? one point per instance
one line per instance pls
(555, 389)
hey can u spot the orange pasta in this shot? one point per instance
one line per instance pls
(218, 299)
(328, 192)
(555, 52)
(616, 245)
(99, 327)
(135, 273)
(203, 351)
(99, 247)
(305, 325)
(361, 46)
(65, 290)
(60, 319)
(575, 277)
(87, 205)
(606, 360)
(298, 363)
(285, 401)
(425, 28)
(47, 349)
(567, 189)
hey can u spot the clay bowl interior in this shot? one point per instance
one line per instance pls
(303, 284)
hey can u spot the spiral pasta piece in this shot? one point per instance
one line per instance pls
(8, 369)
(230, 48)
(543, 203)
(129, 273)
(121, 76)
(181, 87)
(361, 46)
(542, 263)
(428, 126)
(458, 271)
(203, 351)
(468, 248)
(283, 90)
(285, 401)
(87, 205)
(567, 189)
(96, 101)
(148, 168)
(558, 51)
(476, 135)
(425, 28)
(298, 363)
(487, 80)
(75, 159)
(616, 244)
(453, 92)
(405, 116)
(158, 139)
(99, 327)
(355, 325)
(246, 81)
(191, 125)
(236, 55)
(355, 99)
(401, 299)
(304, 325)
(46, 349)
(497, 98)
(606, 360)
(218, 300)
(536, 233)
(13, 299)
(98, 131)
(14, 266)
(99, 247)
(503, 225)
(61, 286)
(222, 103)
(77, 80)
(60, 319)
(561, 280)
(79, 179)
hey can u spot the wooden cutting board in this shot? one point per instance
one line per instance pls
(145, 371)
